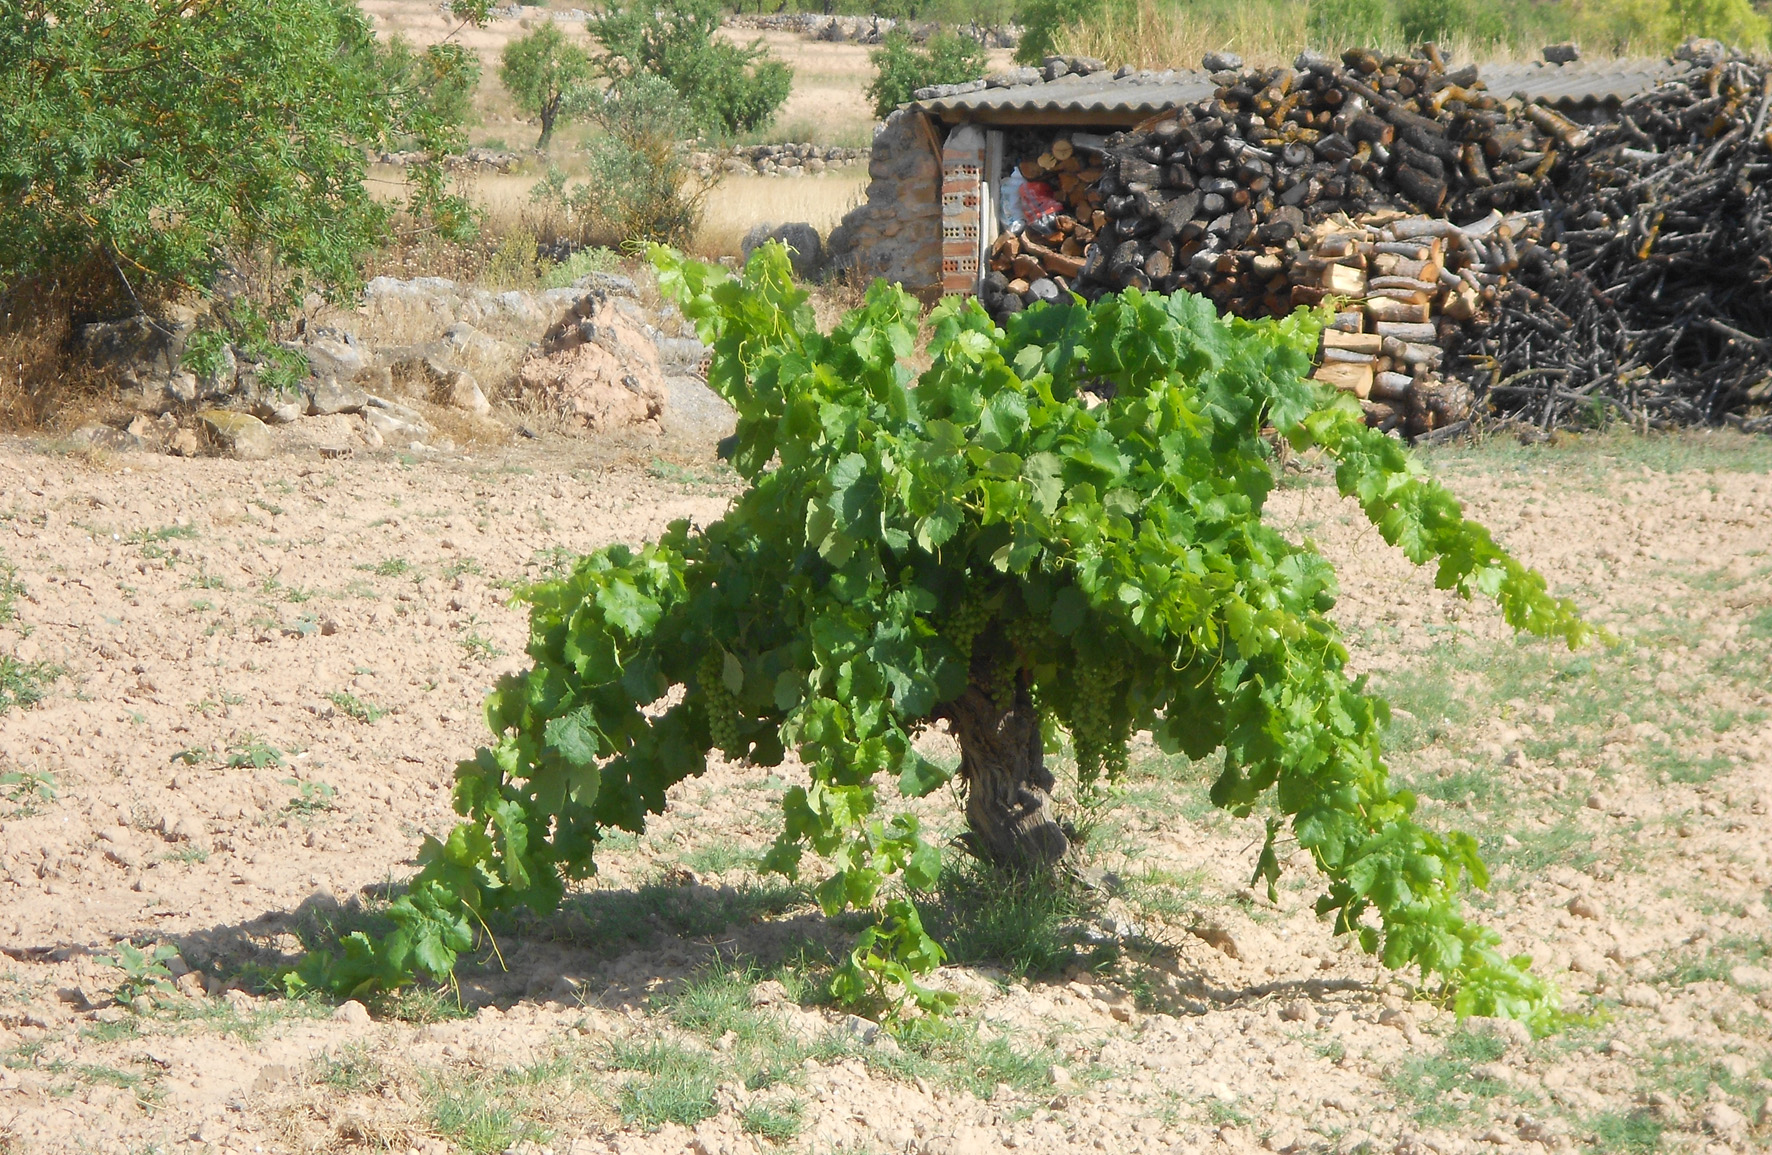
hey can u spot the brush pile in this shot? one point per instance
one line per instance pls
(1652, 298)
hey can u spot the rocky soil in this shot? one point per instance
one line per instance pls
(256, 677)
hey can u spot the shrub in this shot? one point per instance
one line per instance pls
(1479, 21)
(539, 71)
(901, 67)
(145, 143)
(1733, 22)
(994, 545)
(727, 88)
(637, 187)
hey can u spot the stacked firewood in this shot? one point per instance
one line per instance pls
(1402, 286)
(1213, 198)
(1040, 260)
(1652, 298)
(1639, 284)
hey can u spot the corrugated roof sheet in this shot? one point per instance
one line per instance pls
(1098, 92)
(1582, 84)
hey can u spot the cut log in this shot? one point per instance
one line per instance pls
(1356, 342)
(1344, 280)
(1355, 379)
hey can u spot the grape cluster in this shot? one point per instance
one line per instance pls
(1098, 730)
(969, 620)
(722, 707)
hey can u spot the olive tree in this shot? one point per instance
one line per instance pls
(540, 71)
(729, 88)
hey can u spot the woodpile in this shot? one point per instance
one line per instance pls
(1214, 198)
(1649, 301)
(1042, 260)
(1402, 287)
(1625, 264)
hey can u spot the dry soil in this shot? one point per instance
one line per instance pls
(258, 678)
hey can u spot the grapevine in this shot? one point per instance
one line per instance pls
(987, 547)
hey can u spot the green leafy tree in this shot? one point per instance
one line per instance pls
(729, 88)
(443, 76)
(540, 70)
(900, 67)
(1055, 529)
(144, 143)
(1734, 22)
(1043, 22)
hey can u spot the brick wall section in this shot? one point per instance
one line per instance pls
(962, 167)
(896, 232)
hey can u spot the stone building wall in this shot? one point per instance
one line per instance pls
(896, 232)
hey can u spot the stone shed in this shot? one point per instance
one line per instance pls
(940, 166)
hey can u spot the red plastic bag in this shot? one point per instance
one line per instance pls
(1039, 205)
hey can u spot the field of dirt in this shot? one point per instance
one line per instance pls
(255, 679)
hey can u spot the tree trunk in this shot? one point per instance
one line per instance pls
(550, 109)
(1008, 788)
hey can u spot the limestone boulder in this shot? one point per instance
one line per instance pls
(599, 369)
(239, 435)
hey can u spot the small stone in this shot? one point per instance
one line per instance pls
(1216, 935)
(1062, 1079)
(770, 993)
(240, 435)
(1723, 1120)
(351, 1012)
(862, 1030)
(142, 1004)
(331, 358)
(1561, 53)
(1221, 62)
(1641, 995)
(463, 392)
(270, 1076)
(1751, 978)
(1514, 1034)
(1581, 906)
(279, 410)
(1296, 1011)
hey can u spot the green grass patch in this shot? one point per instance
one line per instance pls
(475, 1121)
(1429, 1087)
(24, 684)
(674, 1083)
(777, 1120)
(352, 706)
(25, 792)
(1027, 926)
(251, 750)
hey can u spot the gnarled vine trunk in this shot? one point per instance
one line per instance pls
(1008, 787)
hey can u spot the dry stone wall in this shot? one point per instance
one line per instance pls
(896, 233)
